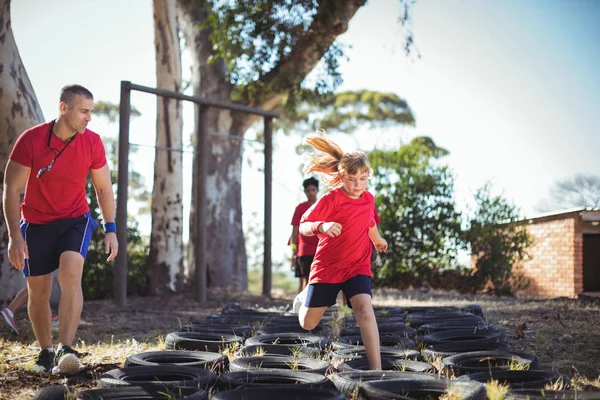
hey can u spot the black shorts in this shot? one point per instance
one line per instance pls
(325, 294)
(47, 242)
(302, 268)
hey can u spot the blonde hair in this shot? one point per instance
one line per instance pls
(333, 163)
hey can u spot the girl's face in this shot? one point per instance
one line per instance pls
(355, 185)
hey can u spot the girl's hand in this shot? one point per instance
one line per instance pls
(331, 229)
(381, 245)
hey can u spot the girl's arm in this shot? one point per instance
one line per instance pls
(379, 242)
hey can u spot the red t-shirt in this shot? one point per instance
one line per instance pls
(307, 245)
(58, 193)
(349, 254)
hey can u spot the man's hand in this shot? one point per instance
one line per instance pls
(17, 251)
(381, 245)
(331, 229)
(110, 243)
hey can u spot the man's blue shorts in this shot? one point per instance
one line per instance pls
(47, 242)
(325, 294)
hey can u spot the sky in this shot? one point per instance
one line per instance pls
(510, 88)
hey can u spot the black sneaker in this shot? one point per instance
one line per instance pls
(66, 361)
(43, 362)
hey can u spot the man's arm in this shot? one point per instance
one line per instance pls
(15, 178)
(106, 201)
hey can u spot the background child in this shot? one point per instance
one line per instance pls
(344, 221)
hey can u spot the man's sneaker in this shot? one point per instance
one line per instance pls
(299, 300)
(43, 362)
(66, 361)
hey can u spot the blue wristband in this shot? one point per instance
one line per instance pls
(110, 227)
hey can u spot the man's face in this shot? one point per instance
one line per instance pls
(311, 193)
(79, 114)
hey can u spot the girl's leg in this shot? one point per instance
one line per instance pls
(365, 316)
(310, 317)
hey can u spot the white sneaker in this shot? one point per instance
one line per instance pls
(299, 300)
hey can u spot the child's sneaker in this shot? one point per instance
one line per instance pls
(299, 300)
(43, 362)
(66, 361)
(9, 317)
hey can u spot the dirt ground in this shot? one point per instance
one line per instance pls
(563, 333)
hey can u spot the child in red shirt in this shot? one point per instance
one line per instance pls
(344, 221)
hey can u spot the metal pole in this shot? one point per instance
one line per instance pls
(268, 206)
(120, 276)
(201, 170)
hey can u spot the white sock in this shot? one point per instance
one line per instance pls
(51, 350)
(9, 312)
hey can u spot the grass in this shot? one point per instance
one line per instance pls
(495, 390)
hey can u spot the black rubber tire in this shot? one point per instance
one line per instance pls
(275, 349)
(396, 329)
(237, 330)
(140, 393)
(448, 349)
(292, 328)
(383, 311)
(418, 319)
(389, 364)
(350, 342)
(464, 335)
(474, 309)
(516, 379)
(540, 394)
(289, 340)
(280, 362)
(273, 377)
(452, 325)
(340, 356)
(481, 361)
(422, 388)
(194, 359)
(204, 341)
(167, 376)
(429, 309)
(56, 392)
(288, 392)
(347, 381)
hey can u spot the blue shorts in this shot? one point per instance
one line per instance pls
(47, 242)
(325, 294)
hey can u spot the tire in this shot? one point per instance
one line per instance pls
(443, 350)
(56, 392)
(464, 335)
(295, 393)
(421, 389)
(481, 361)
(389, 364)
(397, 329)
(516, 379)
(340, 356)
(418, 319)
(275, 349)
(261, 378)
(388, 311)
(474, 309)
(139, 393)
(185, 358)
(350, 342)
(204, 341)
(537, 394)
(289, 340)
(165, 376)
(236, 330)
(293, 328)
(452, 325)
(347, 381)
(280, 362)
(429, 309)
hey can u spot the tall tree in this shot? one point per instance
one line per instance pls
(165, 263)
(580, 190)
(255, 53)
(19, 110)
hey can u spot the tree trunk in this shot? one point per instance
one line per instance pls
(19, 110)
(226, 251)
(165, 263)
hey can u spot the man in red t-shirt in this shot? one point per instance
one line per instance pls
(52, 162)
(303, 247)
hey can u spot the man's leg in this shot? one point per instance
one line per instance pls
(365, 316)
(71, 298)
(39, 288)
(9, 312)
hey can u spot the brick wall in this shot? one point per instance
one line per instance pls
(556, 267)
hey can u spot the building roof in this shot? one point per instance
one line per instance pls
(588, 214)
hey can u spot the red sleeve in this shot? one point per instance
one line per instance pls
(297, 215)
(99, 156)
(320, 211)
(22, 151)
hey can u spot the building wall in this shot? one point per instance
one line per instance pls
(556, 267)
